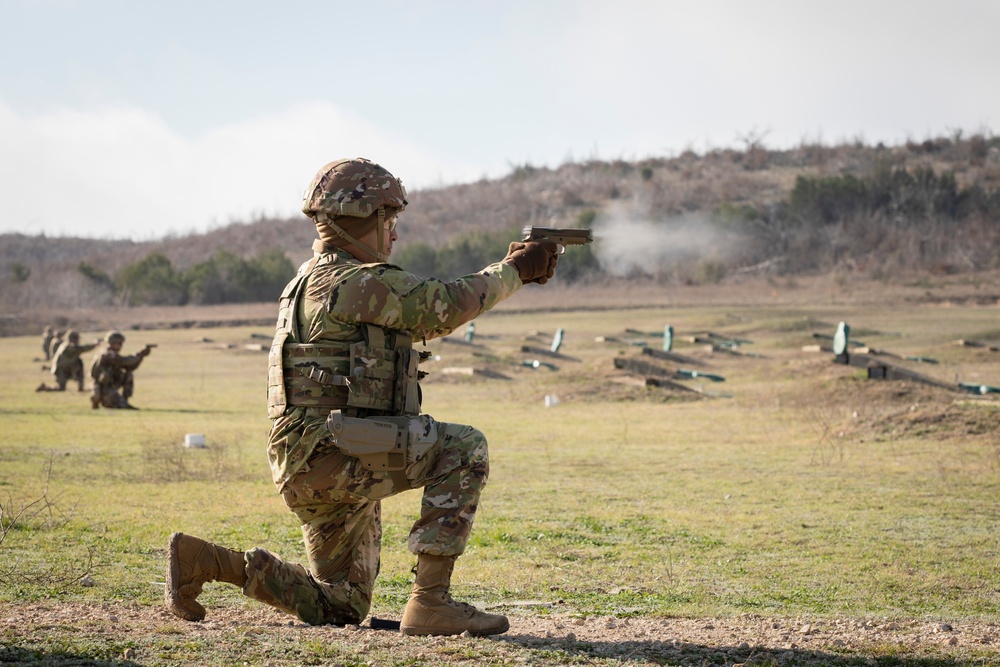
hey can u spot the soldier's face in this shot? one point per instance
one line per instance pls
(390, 234)
(116, 346)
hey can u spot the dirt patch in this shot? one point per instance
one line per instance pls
(541, 639)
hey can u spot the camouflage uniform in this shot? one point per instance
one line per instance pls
(113, 379)
(67, 365)
(347, 429)
(47, 335)
(57, 340)
(336, 499)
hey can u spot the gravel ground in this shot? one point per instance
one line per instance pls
(532, 639)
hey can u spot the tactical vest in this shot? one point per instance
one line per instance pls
(377, 375)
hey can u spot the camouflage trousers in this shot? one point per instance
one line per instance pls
(114, 396)
(337, 500)
(65, 374)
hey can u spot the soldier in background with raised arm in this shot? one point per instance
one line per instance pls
(112, 372)
(67, 364)
(346, 424)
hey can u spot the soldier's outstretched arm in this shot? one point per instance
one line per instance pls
(428, 308)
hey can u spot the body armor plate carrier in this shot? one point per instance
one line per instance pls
(377, 375)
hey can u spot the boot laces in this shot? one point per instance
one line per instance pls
(464, 607)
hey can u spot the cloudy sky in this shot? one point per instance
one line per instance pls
(137, 119)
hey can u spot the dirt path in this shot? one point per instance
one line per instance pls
(150, 635)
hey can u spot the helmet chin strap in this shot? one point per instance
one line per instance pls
(381, 235)
(379, 255)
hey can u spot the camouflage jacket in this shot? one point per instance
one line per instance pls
(341, 295)
(110, 368)
(68, 355)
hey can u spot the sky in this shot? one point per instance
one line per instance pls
(139, 119)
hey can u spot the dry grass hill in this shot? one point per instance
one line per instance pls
(850, 210)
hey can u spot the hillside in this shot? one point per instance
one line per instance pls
(871, 211)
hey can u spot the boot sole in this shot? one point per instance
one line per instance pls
(441, 632)
(171, 594)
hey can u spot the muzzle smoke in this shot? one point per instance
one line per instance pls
(628, 244)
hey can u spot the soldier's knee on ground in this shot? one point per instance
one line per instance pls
(291, 588)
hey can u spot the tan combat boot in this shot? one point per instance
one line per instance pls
(192, 562)
(432, 611)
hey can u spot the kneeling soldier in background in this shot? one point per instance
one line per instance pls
(112, 373)
(66, 363)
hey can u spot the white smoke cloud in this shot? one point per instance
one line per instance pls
(627, 243)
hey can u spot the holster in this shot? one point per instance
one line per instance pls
(380, 443)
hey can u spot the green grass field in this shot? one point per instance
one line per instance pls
(797, 488)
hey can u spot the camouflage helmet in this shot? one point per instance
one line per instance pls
(73, 334)
(114, 337)
(355, 188)
(347, 199)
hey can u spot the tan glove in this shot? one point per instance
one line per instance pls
(535, 261)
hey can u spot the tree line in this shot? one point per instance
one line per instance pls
(887, 220)
(223, 278)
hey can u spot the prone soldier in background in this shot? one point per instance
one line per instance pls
(67, 364)
(113, 374)
(346, 424)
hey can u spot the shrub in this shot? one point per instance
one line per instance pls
(151, 281)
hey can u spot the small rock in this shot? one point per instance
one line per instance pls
(129, 654)
(806, 630)
(549, 634)
(838, 642)
(891, 626)
(571, 638)
(87, 581)
(952, 641)
(466, 634)
(578, 621)
(743, 647)
(944, 627)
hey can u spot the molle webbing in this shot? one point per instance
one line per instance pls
(284, 330)
(316, 375)
(378, 373)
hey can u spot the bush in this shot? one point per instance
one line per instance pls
(825, 200)
(226, 278)
(96, 277)
(151, 281)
